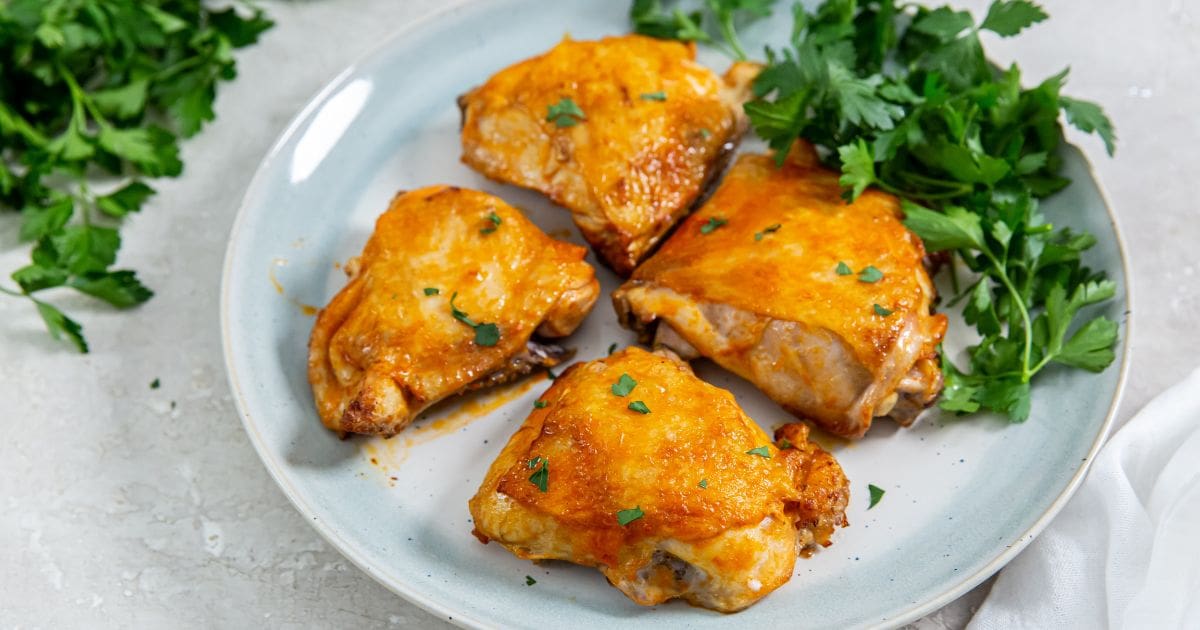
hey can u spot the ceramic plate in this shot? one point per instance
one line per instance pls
(963, 496)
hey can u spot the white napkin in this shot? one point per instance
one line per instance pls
(1125, 552)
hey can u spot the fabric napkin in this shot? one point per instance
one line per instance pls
(1125, 552)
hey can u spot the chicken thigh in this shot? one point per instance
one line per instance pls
(635, 466)
(446, 297)
(825, 306)
(625, 132)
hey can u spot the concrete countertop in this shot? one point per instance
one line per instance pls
(126, 506)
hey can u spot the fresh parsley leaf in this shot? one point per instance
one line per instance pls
(431, 291)
(870, 275)
(639, 407)
(125, 200)
(876, 494)
(880, 311)
(843, 269)
(612, 348)
(858, 168)
(541, 476)
(529, 581)
(625, 517)
(539, 404)
(61, 326)
(713, 223)
(784, 444)
(761, 451)
(703, 483)
(108, 75)
(653, 96)
(155, 384)
(1087, 117)
(956, 228)
(565, 113)
(623, 386)
(1009, 17)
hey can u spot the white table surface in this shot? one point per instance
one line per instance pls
(125, 506)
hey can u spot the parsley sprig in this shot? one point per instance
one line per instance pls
(901, 97)
(649, 17)
(94, 97)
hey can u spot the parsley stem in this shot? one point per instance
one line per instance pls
(1019, 303)
(730, 35)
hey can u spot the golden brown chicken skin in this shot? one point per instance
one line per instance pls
(652, 127)
(686, 498)
(389, 344)
(752, 281)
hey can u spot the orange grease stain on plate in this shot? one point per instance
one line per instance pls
(306, 309)
(388, 454)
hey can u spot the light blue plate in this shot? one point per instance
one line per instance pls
(963, 497)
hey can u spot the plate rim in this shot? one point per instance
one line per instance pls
(430, 605)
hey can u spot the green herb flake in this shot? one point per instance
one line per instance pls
(654, 96)
(550, 374)
(880, 311)
(758, 236)
(541, 476)
(876, 494)
(713, 223)
(623, 386)
(431, 291)
(639, 406)
(565, 113)
(155, 384)
(625, 517)
(703, 483)
(843, 269)
(784, 444)
(485, 334)
(762, 451)
(870, 275)
(494, 219)
(611, 349)
(529, 581)
(539, 404)
(705, 133)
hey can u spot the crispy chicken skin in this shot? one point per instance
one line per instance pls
(773, 309)
(721, 526)
(383, 350)
(657, 126)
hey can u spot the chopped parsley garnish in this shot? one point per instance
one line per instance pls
(758, 236)
(431, 291)
(550, 374)
(624, 385)
(539, 404)
(870, 275)
(761, 451)
(784, 443)
(485, 334)
(703, 483)
(541, 476)
(565, 113)
(880, 311)
(529, 581)
(495, 219)
(706, 134)
(639, 406)
(713, 223)
(654, 96)
(843, 269)
(612, 348)
(876, 494)
(155, 384)
(625, 517)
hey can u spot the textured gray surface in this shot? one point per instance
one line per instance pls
(126, 506)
